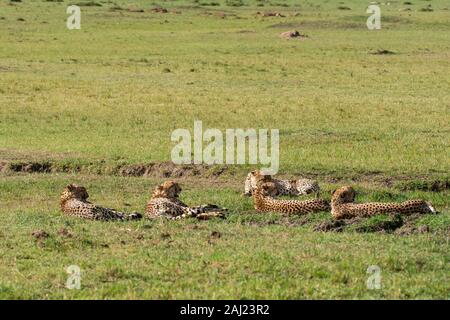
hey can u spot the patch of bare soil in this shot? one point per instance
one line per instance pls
(270, 14)
(37, 156)
(136, 10)
(425, 185)
(65, 233)
(159, 10)
(171, 170)
(31, 167)
(335, 225)
(408, 229)
(316, 24)
(399, 225)
(165, 236)
(294, 34)
(383, 52)
(160, 170)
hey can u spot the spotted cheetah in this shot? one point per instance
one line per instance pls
(264, 202)
(284, 187)
(343, 206)
(74, 203)
(165, 203)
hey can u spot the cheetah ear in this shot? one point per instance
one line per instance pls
(333, 192)
(70, 186)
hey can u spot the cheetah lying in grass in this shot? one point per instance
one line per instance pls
(283, 187)
(343, 206)
(165, 203)
(74, 203)
(264, 202)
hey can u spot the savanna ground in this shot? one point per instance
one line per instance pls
(91, 105)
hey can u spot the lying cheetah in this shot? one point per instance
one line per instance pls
(74, 203)
(283, 187)
(165, 203)
(264, 202)
(343, 206)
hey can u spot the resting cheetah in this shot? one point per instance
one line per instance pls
(343, 206)
(165, 203)
(74, 203)
(284, 187)
(264, 202)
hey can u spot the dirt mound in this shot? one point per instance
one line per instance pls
(270, 14)
(388, 226)
(137, 10)
(293, 34)
(335, 225)
(159, 10)
(171, 170)
(409, 229)
(30, 167)
(327, 226)
(382, 52)
(397, 224)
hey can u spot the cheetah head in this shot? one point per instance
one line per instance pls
(343, 195)
(267, 188)
(73, 191)
(169, 189)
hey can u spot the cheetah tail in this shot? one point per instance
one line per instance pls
(133, 216)
(211, 214)
(430, 207)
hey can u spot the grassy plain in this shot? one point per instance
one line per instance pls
(90, 101)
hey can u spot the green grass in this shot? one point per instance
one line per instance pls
(87, 102)
(101, 92)
(256, 256)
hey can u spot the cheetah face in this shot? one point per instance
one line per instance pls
(344, 195)
(269, 189)
(172, 188)
(73, 191)
(169, 189)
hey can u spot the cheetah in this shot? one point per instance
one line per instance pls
(284, 187)
(165, 203)
(264, 202)
(343, 206)
(74, 203)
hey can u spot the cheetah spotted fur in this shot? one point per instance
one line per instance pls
(165, 203)
(343, 206)
(74, 203)
(284, 187)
